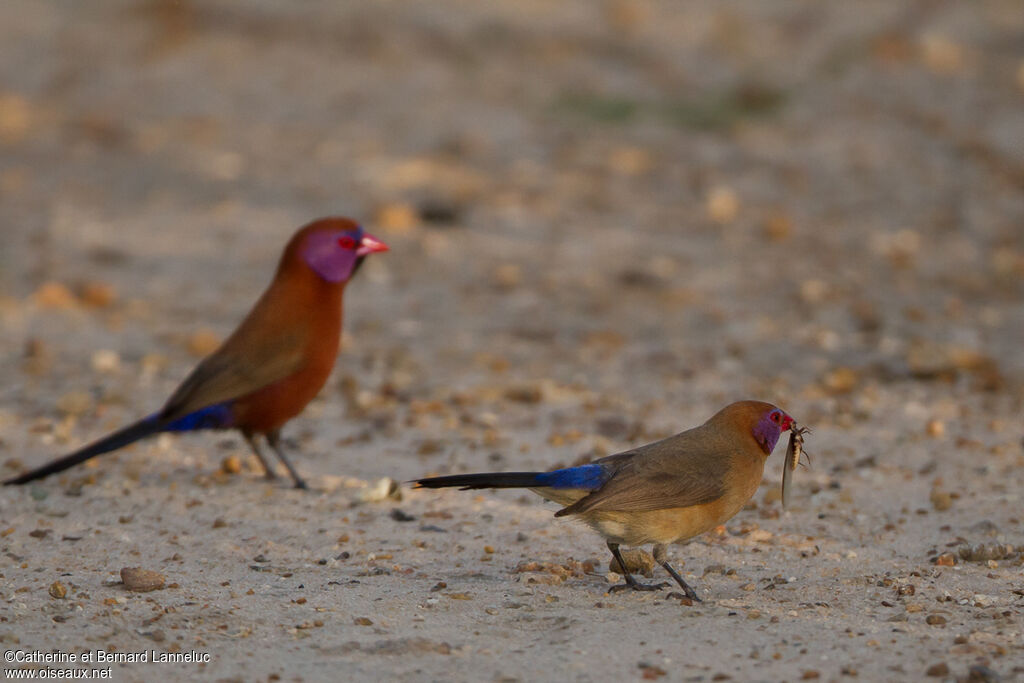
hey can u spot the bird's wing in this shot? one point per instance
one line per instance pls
(244, 364)
(677, 472)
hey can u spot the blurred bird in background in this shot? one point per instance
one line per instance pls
(273, 364)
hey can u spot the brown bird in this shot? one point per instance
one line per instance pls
(665, 492)
(277, 360)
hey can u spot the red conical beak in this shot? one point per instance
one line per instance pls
(369, 245)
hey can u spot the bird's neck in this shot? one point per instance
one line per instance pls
(299, 294)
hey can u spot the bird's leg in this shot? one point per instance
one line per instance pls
(630, 581)
(274, 439)
(661, 557)
(251, 440)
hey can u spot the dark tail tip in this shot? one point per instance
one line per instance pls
(118, 439)
(486, 480)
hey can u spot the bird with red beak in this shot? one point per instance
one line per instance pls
(273, 364)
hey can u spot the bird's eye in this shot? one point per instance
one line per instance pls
(776, 417)
(346, 242)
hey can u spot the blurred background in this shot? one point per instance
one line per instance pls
(684, 202)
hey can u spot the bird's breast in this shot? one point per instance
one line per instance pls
(319, 314)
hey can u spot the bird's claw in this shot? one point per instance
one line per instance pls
(637, 586)
(684, 599)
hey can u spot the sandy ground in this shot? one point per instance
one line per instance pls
(607, 220)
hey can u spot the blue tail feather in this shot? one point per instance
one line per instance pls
(217, 416)
(588, 477)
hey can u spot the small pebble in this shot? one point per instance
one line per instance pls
(141, 580)
(722, 204)
(539, 577)
(400, 516)
(383, 489)
(986, 552)
(231, 465)
(16, 117)
(57, 590)
(97, 294)
(941, 500)
(841, 380)
(507, 276)
(629, 160)
(941, 54)
(525, 393)
(397, 218)
(777, 226)
(650, 672)
(105, 360)
(982, 600)
(74, 403)
(814, 291)
(203, 342)
(638, 561)
(979, 673)
(54, 295)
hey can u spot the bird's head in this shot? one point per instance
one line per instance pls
(770, 427)
(763, 421)
(334, 248)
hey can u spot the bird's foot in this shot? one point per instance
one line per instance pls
(690, 593)
(301, 484)
(637, 586)
(688, 599)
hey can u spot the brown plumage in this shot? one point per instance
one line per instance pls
(661, 493)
